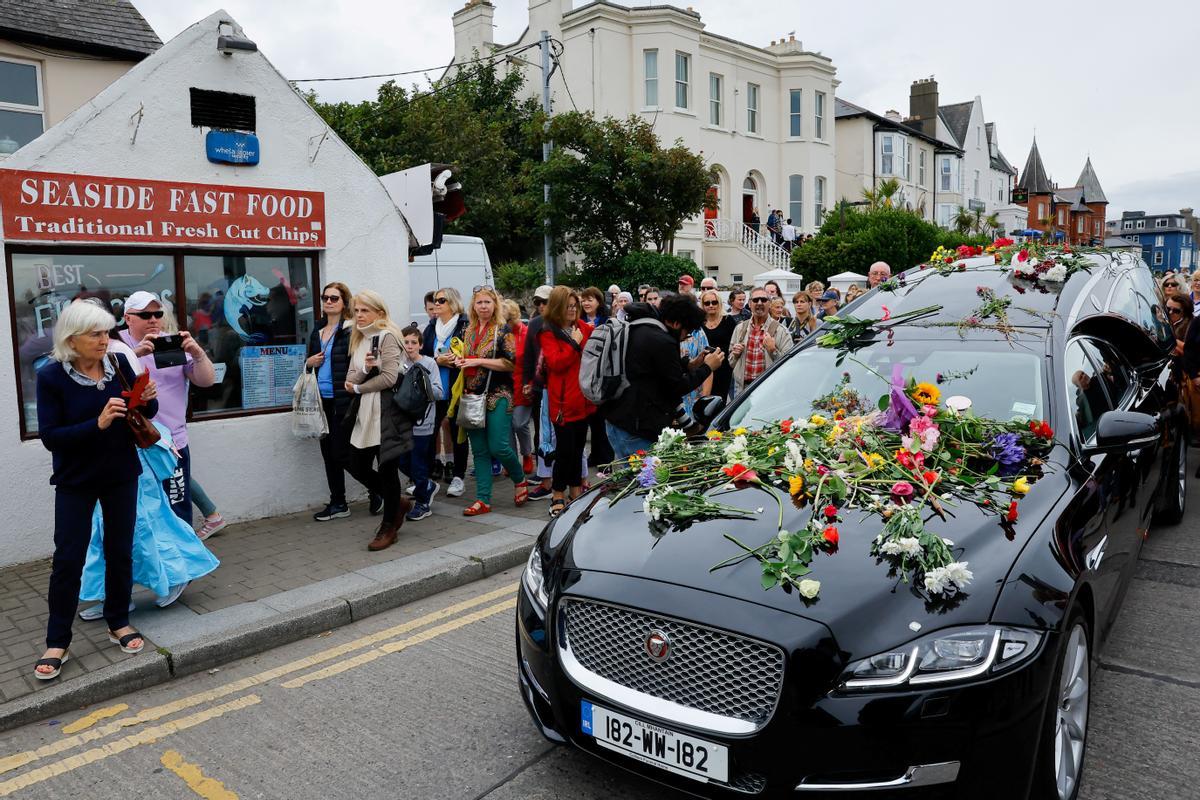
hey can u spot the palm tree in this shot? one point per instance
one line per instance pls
(992, 224)
(882, 195)
(964, 220)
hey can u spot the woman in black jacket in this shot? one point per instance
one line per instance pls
(450, 323)
(329, 355)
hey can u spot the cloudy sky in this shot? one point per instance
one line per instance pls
(1098, 79)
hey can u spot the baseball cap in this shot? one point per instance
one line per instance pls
(140, 299)
(542, 292)
(829, 295)
(687, 280)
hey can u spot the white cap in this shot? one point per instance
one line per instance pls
(542, 292)
(139, 300)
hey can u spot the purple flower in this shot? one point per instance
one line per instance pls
(646, 478)
(900, 409)
(1007, 450)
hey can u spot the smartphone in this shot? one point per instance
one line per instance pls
(168, 351)
(375, 346)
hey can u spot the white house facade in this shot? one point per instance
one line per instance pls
(763, 117)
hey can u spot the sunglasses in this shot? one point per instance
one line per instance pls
(331, 298)
(711, 303)
(148, 314)
(482, 286)
(1174, 310)
(441, 301)
(760, 299)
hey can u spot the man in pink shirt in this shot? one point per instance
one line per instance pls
(144, 321)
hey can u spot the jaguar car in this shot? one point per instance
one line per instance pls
(631, 648)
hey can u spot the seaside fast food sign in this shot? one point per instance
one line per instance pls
(59, 207)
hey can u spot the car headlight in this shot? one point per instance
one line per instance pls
(534, 580)
(954, 654)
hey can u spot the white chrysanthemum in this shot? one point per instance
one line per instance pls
(793, 462)
(937, 581)
(737, 451)
(1057, 274)
(957, 571)
(669, 438)
(909, 545)
(809, 588)
(948, 542)
(890, 547)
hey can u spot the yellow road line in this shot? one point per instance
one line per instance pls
(147, 736)
(208, 788)
(17, 760)
(83, 723)
(396, 647)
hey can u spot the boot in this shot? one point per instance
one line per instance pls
(389, 529)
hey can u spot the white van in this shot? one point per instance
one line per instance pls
(462, 262)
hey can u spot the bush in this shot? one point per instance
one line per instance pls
(952, 239)
(515, 278)
(853, 240)
(643, 266)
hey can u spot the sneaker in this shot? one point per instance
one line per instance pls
(435, 471)
(419, 511)
(433, 492)
(375, 504)
(540, 492)
(456, 488)
(172, 596)
(211, 526)
(97, 611)
(332, 511)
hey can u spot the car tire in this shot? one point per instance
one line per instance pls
(1174, 499)
(1063, 743)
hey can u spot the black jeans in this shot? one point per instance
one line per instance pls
(569, 439)
(333, 453)
(72, 534)
(384, 481)
(461, 451)
(601, 452)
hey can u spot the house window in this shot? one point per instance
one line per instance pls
(1135, 237)
(908, 162)
(975, 187)
(819, 201)
(1041, 211)
(683, 66)
(690, 255)
(794, 114)
(1096, 227)
(819, 115)
(978, 136)
(1141, 223)
(945, 174)
(921, 168)
(736, 277)
(752, 108)
(651, 62)
(1161, 223)
(714, 99)
(21, 119)
(1128, 224)
(257, 348)
(796, 199)
(1158, 240)
(1158, 258)
(1079, 225)
(1185, 259)
(886, 161)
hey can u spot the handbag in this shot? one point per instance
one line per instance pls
(413, 393)
(144, 433)
(308, 414)
(472, 408)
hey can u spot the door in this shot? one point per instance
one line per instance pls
(710, 214)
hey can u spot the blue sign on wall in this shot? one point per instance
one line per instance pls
(231, 147)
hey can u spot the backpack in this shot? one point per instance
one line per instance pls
(413, 393)
(602, 366)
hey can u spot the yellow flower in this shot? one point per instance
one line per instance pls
(927, 394)
(872, 460)
(835, 432)
(633, 460)
(714, 435)
(1021, 485)
(795, 485)
(740, 431)
(817, 419)
(772, 450)
(808, 465)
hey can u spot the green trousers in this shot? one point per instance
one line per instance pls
(494, 439)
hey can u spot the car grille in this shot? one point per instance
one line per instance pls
(706, 669)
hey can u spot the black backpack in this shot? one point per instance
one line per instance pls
(413, 393)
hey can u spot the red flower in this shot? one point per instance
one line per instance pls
(1011, 516)
(831, 534)
(822, 469)
(786, 426)
(902, 492)
(1045, 431)
(831, 511)
(930, 477)
(740, 472)
(887, 314)
(905, 458)
(641, 452)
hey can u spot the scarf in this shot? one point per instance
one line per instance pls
(366, 431)
(444, 329)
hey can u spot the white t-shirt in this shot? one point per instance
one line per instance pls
(789, 233)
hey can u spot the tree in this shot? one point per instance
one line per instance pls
(615, 189)
(882, 195)
(473, 118)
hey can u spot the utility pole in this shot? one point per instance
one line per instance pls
(548, 242)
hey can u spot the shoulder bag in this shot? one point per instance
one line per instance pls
(144, 433)
(472, 408)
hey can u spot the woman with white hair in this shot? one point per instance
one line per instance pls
(618, 307)
(82, 422)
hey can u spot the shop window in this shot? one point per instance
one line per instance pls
(21, 118)
(251, 313)
(224, 110)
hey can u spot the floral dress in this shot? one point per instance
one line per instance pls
(490, 343)
(691, 347)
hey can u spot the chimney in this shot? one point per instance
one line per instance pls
(473, 29)
(923, 105)
(791, 37)
(892, 114)
(772, 43)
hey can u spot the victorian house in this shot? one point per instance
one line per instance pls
(1073, 214)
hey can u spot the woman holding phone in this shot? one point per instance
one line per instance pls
(375, 352)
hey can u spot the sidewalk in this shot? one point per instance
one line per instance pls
(280, 579)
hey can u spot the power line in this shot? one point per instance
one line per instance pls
(412, 71)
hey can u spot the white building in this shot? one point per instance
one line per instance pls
(762, 116)
(130, 192)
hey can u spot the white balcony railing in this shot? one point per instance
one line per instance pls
(758, 244)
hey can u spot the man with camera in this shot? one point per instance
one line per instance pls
(174, 362)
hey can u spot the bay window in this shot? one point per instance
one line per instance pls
(795, 128)
(650, 60)
(683, 67)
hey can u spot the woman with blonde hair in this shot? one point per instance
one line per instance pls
(815, 289)
(718, 330)
(854, 292)
(804, 321)
(487, 365)
(376, 349)
(448, 324)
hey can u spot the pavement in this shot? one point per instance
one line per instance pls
(280, 579)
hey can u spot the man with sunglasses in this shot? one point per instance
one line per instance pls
(757, 343)
(144, 313)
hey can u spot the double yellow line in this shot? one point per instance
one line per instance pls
(458, 616)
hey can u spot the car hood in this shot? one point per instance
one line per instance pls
(868, 607)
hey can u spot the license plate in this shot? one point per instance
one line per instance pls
(652, 744)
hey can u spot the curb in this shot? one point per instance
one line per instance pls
(395, 583)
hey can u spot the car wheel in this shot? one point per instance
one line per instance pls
(1174, 501)
(1064, 737)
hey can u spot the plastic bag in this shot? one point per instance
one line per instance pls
(308, 415)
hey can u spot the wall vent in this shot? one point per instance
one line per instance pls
(223, 110)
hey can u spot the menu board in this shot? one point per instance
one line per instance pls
(269, 373)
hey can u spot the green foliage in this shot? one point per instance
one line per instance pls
(644, 266)
(615, 189)
(518, 277)
(952, 239)
(475, 119)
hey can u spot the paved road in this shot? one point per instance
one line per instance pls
(421, 702)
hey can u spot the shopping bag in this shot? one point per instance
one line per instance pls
(308, 415)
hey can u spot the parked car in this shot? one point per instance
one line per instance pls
(631, 648)
(461, 262)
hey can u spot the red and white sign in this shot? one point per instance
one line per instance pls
(58, 207)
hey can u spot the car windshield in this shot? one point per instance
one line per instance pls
(1002, 384)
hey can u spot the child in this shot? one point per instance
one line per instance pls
(415, 463)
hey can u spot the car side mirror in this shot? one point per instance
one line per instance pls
(706, 409)
(1120, 431)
